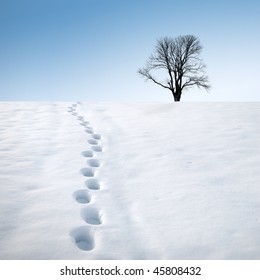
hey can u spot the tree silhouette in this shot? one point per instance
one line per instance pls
(180, 57)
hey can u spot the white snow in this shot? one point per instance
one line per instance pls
(129, 181)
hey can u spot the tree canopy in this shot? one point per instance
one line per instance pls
(180, 59)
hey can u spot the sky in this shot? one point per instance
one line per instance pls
(90, 50)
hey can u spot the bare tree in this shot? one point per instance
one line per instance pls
(180, 57)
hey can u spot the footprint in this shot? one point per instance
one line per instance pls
(82, 196)
(93, 162)
(91, 216)
(80, 118)
(87, 172)
(89, 130)
(96, 136)
(83, 238)
(89, 127)
(97, 148)
(93, 184)
(87, 154)
(84, 123)
(93, 142)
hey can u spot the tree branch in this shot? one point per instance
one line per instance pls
(145, 73)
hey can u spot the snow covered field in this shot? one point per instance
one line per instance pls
(129, 181)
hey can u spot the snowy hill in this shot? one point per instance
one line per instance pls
(129, 181)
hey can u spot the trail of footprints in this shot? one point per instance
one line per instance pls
(90, 214)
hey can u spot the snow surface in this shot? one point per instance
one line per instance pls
(129, 181)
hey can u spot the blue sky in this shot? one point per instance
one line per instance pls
(64, 50)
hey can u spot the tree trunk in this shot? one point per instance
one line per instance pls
(176, 96)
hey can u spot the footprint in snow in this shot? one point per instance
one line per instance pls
(92, 141)
(83, 238)
(93, 184)
(87, 172)
(97, 148)
(93, 163)
(89, 130)
(87, 154)
(96, 136)
(91, 216)
(84, 123)
(82, 196)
